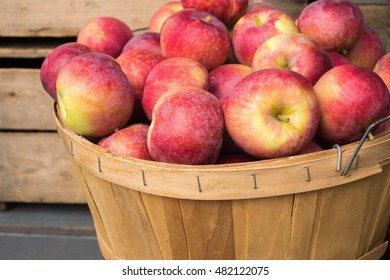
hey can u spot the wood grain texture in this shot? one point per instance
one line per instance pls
(34, 167)
(24, 105)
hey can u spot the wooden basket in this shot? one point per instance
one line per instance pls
(290, 208)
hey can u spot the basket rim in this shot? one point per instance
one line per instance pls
(217, 181)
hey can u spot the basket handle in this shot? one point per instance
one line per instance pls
(365, 136)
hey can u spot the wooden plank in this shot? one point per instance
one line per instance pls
(23, 102)
(66, 17)
(34, 167)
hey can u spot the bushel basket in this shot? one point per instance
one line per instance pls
(298, 207)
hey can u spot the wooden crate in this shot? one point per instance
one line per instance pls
(33, 163)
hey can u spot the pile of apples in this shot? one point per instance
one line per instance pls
(223, 81)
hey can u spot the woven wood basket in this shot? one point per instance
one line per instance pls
(290, 208)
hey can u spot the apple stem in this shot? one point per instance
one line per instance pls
(370, 136)
(283, 118)
(257, 21)
(207, 19)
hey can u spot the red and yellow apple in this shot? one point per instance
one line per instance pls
(335, 24)
(367, 50)
(254, 28)
(161, 15)
(187, 127)
(130, 141)
(147, 41)
(337, 59)
(94, 95)
(382, 68)
(351, 98)
(228, 11)
(197, 35)
(172, 73)
(105, 34)
(55, 60)
(272, 113)
(293, 51)
(224, 78)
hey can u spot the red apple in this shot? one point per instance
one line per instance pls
(235, 158)
(335, 24)
(55, 60)
(147, 41)
(310, 148)
(367, 50)
(224, 78)
(296, 52)
(228, 11)
(254, 28)
(161, 15)
(350, 98)
(94, 95)
(337, 59)
(272, 113)
(105, 34)
(130, 141)
(197, 35)
(384, 126)
(136, 64)
(382, 68)
(186, 127)
(169, 74)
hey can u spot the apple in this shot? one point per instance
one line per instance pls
(94, 95)
(130, 141)
(105, 34)
(186, 127)
(335, 24)
(172, 73)
(254, 28)
(136, 64)
(382, 68)
(382, 127)
(197, 35)
(228, 11)
(161, 15)
(148, 41)
(235, 158)
(293, 51)
(224, 78)
(310, 148)
(54, 61)
(367, 50)
(351, 97)
(337, 59)
(272, 113)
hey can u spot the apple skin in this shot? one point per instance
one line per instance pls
(254, 28)
(105, 34)
(147, 41)
(186, 127)
(272, 113)
(224, 78)
(337, 59)
(384, 126)
(55, 60)
(197, 35)
(335, 24)
(130, 141)
(253, 6)
(228, 11)
(161, 15)
(235, 158)
(367, 50)
(293, 51)
(136, 64)
(351, 98)
(382, 68)
(94, 95)
(310, 148)
(169, 74)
